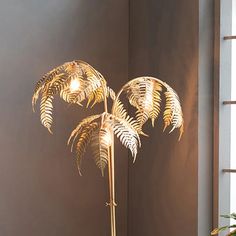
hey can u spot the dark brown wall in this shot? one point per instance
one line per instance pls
(163, 181)
(41, 191)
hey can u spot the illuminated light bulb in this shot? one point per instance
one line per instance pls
(74, 85)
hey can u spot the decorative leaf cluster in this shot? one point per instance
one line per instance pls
(92, 86)
(146, 94)
(98, 130)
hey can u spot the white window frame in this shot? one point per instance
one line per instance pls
(222, 111)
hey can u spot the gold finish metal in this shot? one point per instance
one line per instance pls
(111, 174)
(76, 82)
(144, 93)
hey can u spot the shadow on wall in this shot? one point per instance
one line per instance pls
(163, 182)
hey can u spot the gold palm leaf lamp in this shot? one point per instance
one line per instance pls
(76, 82)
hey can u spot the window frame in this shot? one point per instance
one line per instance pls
(222, 111)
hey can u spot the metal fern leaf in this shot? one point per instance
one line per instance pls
(83, 142)
(173, 112)
(92, 130)
(126, 131)
(100, 147)
(83, 134)
(144, 93)
(84, 123)
(90, 85)
(119, 109)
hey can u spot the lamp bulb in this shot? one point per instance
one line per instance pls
(74, 85)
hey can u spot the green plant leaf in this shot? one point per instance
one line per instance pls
(233, 233)
(217, 230)
(231, 216)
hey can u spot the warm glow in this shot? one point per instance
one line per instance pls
(108, 139)
(76, 82)
(74, 85)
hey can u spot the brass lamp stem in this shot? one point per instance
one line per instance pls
(111, 175)
(105, 98)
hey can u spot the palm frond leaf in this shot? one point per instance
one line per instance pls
(46, 111)
(45, 80)
(85, 122)
(83, 134)
(125, 129)
(144, 93)
(97, 95)
(94, 130)
(173, 114)
(98, 130)
(83, 141)
(90, 84)
(111, 93)
(100, 147)
(119, 110)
